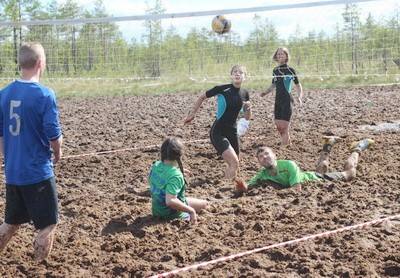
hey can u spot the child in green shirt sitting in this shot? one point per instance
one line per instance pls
(168, 185)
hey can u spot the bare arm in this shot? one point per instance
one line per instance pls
(173, 202)
(195, 108)
(56, 146)
(269, 90)
(298, 186)
(299, 90)
(247, 110)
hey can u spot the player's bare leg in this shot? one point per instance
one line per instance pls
(350, 167)
(6, 233)
(323, 161)
(44, 242)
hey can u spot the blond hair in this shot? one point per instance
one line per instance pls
(239, 67)
(285, 50)
(29, 54)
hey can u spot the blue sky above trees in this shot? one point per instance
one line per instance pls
(287, 22)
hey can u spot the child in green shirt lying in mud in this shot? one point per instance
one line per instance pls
(287, 174)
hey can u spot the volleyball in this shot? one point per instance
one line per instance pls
(220, 24)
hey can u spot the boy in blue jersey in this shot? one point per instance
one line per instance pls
(29, 133)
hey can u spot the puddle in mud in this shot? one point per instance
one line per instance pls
(381, 127)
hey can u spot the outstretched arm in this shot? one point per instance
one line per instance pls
(269, 90)
(195, 108)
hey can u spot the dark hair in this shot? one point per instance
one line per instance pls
(262, 149)
(172, 149)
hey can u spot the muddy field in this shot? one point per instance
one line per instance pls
(106, 229)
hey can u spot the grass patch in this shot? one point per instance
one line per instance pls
(96, 87)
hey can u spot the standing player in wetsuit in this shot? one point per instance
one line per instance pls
(283, 75)
(231, 100)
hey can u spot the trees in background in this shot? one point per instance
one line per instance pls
(99, 49)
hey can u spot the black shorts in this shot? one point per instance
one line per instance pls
(332, 176)
(223, 136)
(283, 111)
(36, 202)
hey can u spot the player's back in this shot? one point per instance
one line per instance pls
(29, 119)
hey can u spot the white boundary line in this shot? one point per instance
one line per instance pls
(127, 149)
(282, 244)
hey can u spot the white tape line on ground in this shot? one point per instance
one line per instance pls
(286, 243)
(139, 148)
(126, 149)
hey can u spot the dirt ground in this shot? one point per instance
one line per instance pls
(106, 229)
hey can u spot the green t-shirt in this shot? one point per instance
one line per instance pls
(163, 179)
(288, 174)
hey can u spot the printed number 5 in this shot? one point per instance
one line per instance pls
(13, 115)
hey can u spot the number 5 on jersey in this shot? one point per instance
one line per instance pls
(13, 115)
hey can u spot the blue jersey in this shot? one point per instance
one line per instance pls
(29, 120)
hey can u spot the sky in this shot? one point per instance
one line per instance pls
(286, 21)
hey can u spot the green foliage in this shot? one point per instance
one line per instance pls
(98, 50)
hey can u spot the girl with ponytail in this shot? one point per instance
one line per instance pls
(168, 185)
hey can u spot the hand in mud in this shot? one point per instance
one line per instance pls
(187, 172)
(241, 185)
(193, 217)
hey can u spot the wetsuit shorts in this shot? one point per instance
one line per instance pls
(332, 176)
(223, 136)
(283, 111)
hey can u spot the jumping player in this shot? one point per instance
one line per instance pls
(231, 99)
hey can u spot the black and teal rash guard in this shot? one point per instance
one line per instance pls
(229, 103)
(283, 77)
